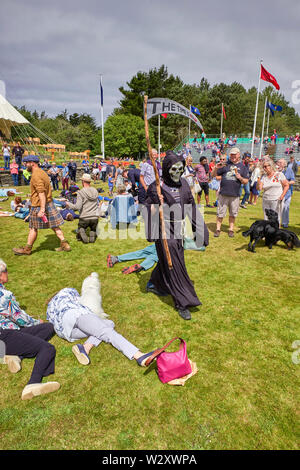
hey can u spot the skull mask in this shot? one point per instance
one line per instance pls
(176, 171)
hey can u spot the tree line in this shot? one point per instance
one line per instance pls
(124, 128)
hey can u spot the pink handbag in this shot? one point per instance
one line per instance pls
(171, 365)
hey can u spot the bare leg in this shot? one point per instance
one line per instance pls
(59, 233)
(231, 223)
(219, 223)
(32, 236)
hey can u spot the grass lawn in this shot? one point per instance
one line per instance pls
(244, 395)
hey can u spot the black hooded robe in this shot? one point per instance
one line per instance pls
(175, 281)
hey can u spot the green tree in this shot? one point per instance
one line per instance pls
(124, 135)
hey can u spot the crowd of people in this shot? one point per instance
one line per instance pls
(172, 184)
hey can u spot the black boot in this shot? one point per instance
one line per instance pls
(184, 313)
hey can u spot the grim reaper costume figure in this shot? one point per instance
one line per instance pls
(178, 203)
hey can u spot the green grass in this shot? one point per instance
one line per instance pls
(244, 395)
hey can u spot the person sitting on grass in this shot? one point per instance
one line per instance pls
(87, 205)
(123, 210)
(73, 321)
(25, 337)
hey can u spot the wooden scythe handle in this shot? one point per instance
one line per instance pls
(158, 188)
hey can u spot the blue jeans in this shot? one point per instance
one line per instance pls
(15, 180)
(285, 214)
(6, 163)
(247, 192)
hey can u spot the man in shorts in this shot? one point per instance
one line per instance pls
(233, 174)
(202, 175)
(43, 213)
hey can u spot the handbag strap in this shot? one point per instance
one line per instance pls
(157, 352)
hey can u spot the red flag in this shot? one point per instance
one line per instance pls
(265, 75)
(223, 112)
(165, 115)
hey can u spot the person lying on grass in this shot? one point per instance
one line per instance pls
(73, 320)
(148, 254)
(25, 337)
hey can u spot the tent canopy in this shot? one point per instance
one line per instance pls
(9, 117)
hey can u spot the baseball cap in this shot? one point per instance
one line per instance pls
(234, 150)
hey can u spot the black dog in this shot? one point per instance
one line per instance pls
(262, 229)
(286, 236)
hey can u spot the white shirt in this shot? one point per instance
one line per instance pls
(272, 186)
(6, 151)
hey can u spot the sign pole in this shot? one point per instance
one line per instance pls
(158, 188)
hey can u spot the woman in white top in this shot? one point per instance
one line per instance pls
(189, 173)
(274, 185)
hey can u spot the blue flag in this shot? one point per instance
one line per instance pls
(195, 110)
(101, 91)
(273, 107)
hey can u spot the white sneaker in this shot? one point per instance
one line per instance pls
(34, 390)
(13, 363)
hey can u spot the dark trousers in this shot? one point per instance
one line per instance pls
(32, 342)
(142, 194)
(54, 181)
(72, 174)
(88, 223)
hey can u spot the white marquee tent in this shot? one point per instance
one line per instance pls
(9, 117)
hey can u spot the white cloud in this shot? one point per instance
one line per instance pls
(52, 53)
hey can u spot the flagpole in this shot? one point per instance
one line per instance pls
(256, 107)
(268, 121)
(189, 125)
(221, 121)
(262, 131)
(159, 137)
(102, 120)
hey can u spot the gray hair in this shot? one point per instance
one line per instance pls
(121, 188)
(3, 267)
(283, 162)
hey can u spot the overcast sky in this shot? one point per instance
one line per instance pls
(52, 52)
